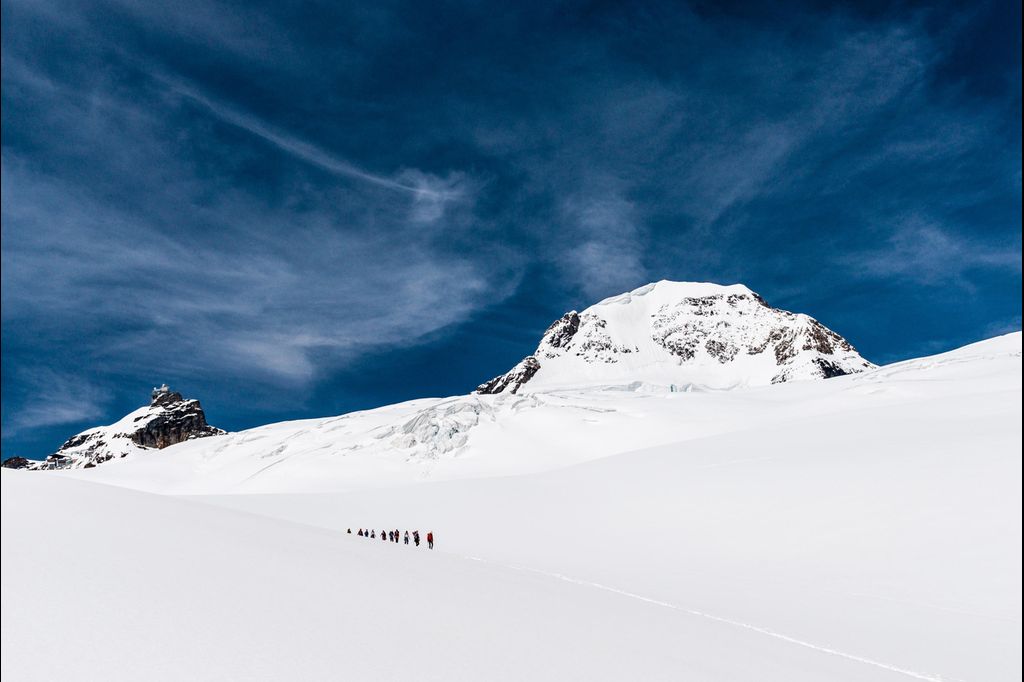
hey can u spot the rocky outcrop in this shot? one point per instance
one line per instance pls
(561, 331)
(513, 379)
(169, 419)
(178, 420)
(16, 463)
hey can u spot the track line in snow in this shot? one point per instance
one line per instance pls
(261, 470)
(728, 621)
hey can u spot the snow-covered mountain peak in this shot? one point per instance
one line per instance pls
(667, 291)
(167, 420)
(681, 334)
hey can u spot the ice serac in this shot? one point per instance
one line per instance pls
(167, 420)
(682, 334)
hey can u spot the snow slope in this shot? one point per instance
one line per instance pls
(132, 586)
(865, 528)
(879, 517)
(496, 435)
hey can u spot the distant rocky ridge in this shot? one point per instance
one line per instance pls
(685, 333)
(168, 419)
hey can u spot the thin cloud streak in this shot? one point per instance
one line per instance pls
(299, 148)
(921, 251)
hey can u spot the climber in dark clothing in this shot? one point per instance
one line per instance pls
(383, 537)
(396, 536)
(407, 537)
(350, 531)
(430, 539)
(373, 535)
(416, 537)
(360, 533)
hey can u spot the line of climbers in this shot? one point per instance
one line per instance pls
(394, 536)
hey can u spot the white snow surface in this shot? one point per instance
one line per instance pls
(866, 527)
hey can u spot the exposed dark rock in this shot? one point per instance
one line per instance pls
(722, 351)
(16, 463)
(513, 379)
(784, 348)
(561, 331)
(180, 420)
(595, 342)
(80, 439)
(824, 340)
(703, 305)
(829, 369)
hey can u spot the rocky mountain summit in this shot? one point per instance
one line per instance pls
(168, 419)
(682, 335)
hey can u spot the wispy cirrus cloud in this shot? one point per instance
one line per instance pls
(180, 282)
(920, 251)
(603, 253)
(54, 398)
(250, 311)
(263, 195)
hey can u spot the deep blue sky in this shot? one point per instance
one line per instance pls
(300, 209)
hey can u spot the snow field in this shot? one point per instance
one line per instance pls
(860, 528)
